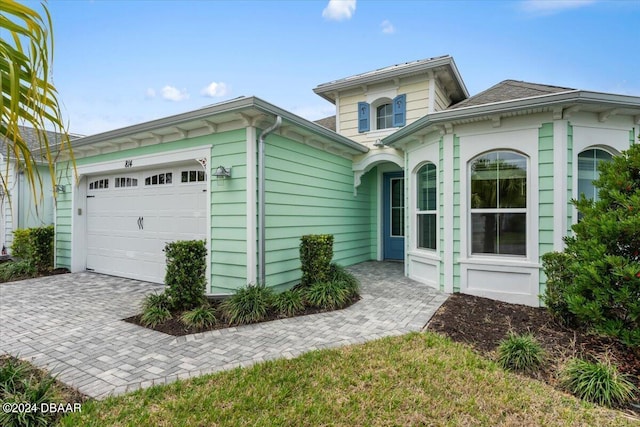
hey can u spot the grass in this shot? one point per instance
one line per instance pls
(414, 379)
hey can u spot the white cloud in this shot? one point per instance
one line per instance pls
(553, 6)
(171, 93)
(387, 27)
(216, 89)
(150, 93)
(338, 10)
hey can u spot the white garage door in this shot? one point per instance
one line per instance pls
(131, 217)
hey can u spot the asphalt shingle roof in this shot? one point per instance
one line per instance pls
(328, 122)
(508, 90)
(31, 137)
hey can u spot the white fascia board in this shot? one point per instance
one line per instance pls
(386, 74)
(234, 105)
(568, 97)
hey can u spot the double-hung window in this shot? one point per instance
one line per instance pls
(498, 200)
(426, 188)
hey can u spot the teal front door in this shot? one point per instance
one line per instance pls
(393, 215)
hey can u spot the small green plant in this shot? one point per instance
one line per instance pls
(185, 277)
(200, 317)
(327, 295)
(156, 300)
(598, 382)
(16, 270)
(21, 246)
(520, 353)
(249, 304)
(153, 316)
(338, 273)
(316, 252)
(288, 303)
(12, 375)
(21, 386)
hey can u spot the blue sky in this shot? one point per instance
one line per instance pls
(119, 63)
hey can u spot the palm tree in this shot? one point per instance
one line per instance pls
(28, 98)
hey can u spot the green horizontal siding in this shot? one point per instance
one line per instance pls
(62, 220)
(310, 191)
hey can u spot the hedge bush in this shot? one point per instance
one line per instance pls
(35, 246)
(601, 286)
(316, 252)
(186, 273)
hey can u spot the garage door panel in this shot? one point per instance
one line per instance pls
(121, 245)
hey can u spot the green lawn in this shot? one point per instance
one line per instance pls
(415, 379)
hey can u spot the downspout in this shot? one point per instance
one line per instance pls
(261, 203)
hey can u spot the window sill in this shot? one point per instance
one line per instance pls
(424, 254)
(500, 261)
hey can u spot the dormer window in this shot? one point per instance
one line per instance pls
(384, 116)
(383, 113)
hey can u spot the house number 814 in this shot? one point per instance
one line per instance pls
(128, 163)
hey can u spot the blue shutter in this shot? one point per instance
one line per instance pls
(363, 117)
(399, 110)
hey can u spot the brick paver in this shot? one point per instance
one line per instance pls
(71, 324)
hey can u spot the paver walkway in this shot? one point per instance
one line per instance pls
(71, 324)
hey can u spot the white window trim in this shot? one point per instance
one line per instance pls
(527, 211)
(373, 112)
(418, 212)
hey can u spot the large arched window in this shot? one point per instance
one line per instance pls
(426, 186)
(498, 200)
(588, 163)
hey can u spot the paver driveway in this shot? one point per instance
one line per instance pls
(71, 324)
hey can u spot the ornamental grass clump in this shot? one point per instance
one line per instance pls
(598, 382)
(289, 303)
(249, 304)
(327, 295)
(153, 316)
(338, 273)
(520, 353)
(200, 317)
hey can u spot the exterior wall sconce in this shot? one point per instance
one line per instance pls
(378, 144)
(61, 189)
(222, 172)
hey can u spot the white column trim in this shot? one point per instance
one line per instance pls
(447, 153)
(560, 188)
(432, 92)
(252, 236)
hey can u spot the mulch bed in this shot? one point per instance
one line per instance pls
(482, 323)
(175, 327)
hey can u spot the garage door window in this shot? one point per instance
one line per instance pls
(99, 184)
(192, 176)
(159, 179)
(122, 182)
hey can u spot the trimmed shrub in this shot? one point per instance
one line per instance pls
(316, 252)
(200, 317)
(153, 316)
(35, 246)
(42, 248)
(288, 303)
(250, 304)
(520, 353)
(327, 295)
(338, 273)
(603, 272)
(556, 267)
(21, 246)
(185, 277)
(599, 383)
